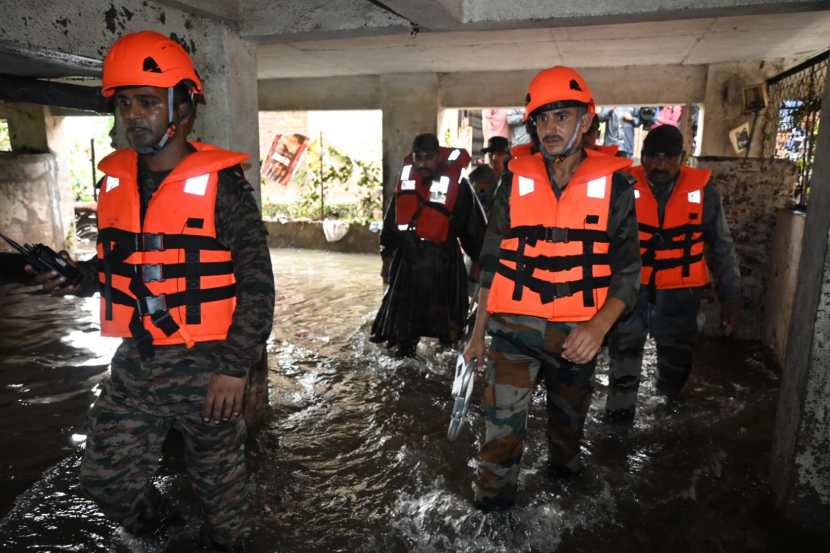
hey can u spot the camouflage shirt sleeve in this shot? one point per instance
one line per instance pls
(624, 249)
(498, 223)
(239, 226)
(724, 260)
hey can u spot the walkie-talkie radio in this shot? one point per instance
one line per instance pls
(43, 259)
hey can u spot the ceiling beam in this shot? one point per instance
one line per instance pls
(49, 93)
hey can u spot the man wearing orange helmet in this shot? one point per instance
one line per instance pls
(560, 265)
(185, 278)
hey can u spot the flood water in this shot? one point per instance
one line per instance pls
(354, 456)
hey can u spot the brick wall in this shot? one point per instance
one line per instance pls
(752, 191)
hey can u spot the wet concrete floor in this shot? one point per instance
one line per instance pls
(354, 456)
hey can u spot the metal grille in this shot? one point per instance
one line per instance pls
(792, 119)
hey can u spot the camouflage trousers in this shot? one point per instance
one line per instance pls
(128, 424)
(523, 351)
(670, 316)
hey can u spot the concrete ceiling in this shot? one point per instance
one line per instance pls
(667, 42)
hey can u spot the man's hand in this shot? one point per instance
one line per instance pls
(475, 350)
(729, 315)
(224, 398)
(52, 282)
(583, 343)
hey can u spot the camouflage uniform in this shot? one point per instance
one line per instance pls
(145, 398)
(527, 349)
(670, 316)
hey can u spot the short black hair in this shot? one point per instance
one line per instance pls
(426, 142)
(665, 139)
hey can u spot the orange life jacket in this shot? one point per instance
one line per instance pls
(672, 252)
(426, 207)
(553, 262)
(169, 281)
(609, 149)
(520, 150)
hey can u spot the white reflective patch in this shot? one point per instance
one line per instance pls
(407, 185)
(403, 227)
(694, 197)
(196, 185)
(596, 188)
(438, 190)
(405, 172)
(526, 186)
(112, 182)
(454, 155)
(636, 194)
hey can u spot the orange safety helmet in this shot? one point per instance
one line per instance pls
(558, 85)
(148, 58)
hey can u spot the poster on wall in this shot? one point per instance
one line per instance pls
(285, 152)
(739, 138)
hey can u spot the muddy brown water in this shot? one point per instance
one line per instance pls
(354, 456)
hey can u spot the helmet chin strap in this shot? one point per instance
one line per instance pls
(570, 149)
(168, 134)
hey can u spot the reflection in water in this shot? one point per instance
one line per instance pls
(355, 457)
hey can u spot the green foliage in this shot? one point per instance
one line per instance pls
(5, 139)
(82, 129)
(338, 170)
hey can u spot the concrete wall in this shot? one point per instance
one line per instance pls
(310, 235)
(226, 63)
(752, 192)
(801, 445)
(725, 83)
(783, 280)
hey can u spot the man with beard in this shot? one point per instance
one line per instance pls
(185, 278)
(497, 152)
(560, 264)
(433, 209)
(679, 216)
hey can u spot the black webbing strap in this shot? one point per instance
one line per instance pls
(145, 241)
(148, 306)
(107, 280)
(548, 263)
(523, 270)
(671, 263)
(158, 308)
(588, 274)
(662, 239)
(158, 272)
(537, 233)
(193, 311)
(549, 291)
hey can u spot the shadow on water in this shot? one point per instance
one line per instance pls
(354, 457)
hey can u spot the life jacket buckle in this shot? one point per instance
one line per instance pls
(151, 305)
(150, 242)
(151, 272)
(556, 234)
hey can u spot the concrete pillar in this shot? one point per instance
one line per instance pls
(37, 209)
(27, 126)
(410, 106)
(230, 117)
(801, 446)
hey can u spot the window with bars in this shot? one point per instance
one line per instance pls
(793, 114)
